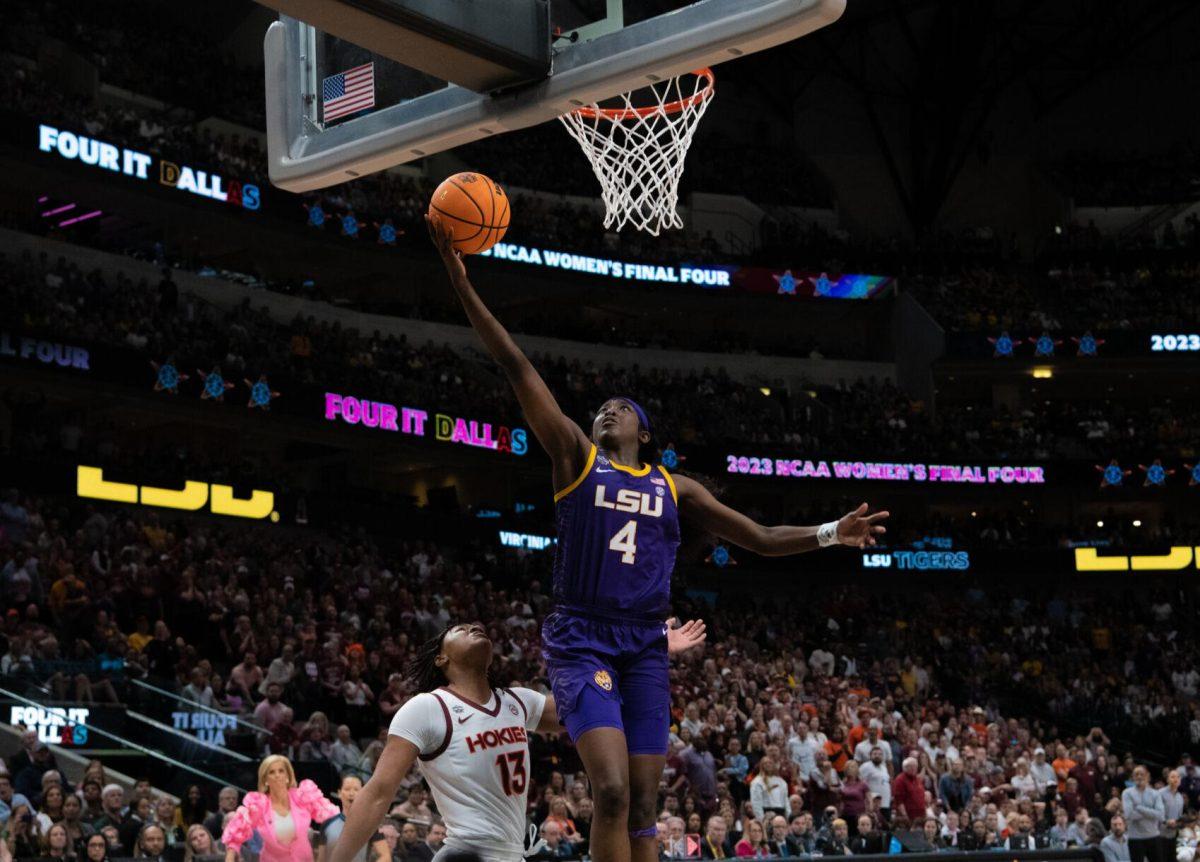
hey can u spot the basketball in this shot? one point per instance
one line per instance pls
(475, 210)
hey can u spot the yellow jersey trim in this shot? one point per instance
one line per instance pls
(587, 468)
(642, 471)
(670, 482)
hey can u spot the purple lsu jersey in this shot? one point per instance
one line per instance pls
(618, 530)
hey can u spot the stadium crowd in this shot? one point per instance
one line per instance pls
(356, 210)
(1131, 177)
(970, 281)
(871, 418)
(819, 719)
(1071, 298)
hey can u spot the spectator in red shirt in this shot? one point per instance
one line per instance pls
(908, 792)
(979, 724)
(1072, 798)
(1085, 774)
(859, 732)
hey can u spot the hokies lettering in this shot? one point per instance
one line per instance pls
(495, 738)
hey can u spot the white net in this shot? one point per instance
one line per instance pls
(637, 153)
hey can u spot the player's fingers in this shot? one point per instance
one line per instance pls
(878, 530)
(441, 234)
(672, 622)
(861, 510)
(878, 516)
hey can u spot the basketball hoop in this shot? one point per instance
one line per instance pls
(637, 153)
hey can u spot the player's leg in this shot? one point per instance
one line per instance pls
(589, 707)
(606, 760)
(579, 659)
(646, 715)
(645, 776)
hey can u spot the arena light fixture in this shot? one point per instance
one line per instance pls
(1043, 372)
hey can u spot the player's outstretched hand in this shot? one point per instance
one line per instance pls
(443, 241)
(858, 529)
(690, 634)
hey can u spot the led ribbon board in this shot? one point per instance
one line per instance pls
(91, 484)
(414, 422)
(798, 468)
(142, 166)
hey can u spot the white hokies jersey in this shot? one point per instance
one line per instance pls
(475, 758)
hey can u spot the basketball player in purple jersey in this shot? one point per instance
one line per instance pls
(618, 528)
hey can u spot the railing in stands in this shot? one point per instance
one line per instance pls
(192, 705)
(127, 743)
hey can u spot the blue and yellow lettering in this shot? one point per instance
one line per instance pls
(520, 444)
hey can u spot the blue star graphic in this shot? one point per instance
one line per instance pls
(786, 282)
(168, 377)
(214, 385)
(260, 393)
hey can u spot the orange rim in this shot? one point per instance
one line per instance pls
(616, 115)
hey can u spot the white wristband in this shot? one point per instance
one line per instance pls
(827, 534)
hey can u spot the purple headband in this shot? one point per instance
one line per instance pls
(637, 408)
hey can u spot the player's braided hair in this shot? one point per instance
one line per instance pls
(422, 672)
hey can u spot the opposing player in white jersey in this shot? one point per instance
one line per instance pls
(470, 738)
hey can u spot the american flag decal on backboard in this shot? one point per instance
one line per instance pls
(348, 92)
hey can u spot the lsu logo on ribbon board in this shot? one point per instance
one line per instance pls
(90, 482)
(603, 680)
(1177, 559)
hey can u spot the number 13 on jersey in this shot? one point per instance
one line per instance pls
(512, 772)
(624, 542)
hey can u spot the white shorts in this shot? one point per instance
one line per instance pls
(459, 854)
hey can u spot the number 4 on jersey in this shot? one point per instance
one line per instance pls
(625, 542)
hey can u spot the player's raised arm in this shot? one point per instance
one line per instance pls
(371, 804)
(562, 439)
(856, 529)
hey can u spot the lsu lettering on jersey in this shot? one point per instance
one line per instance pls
(618, 531)
(475, 758)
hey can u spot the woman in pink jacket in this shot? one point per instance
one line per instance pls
(281, 812)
